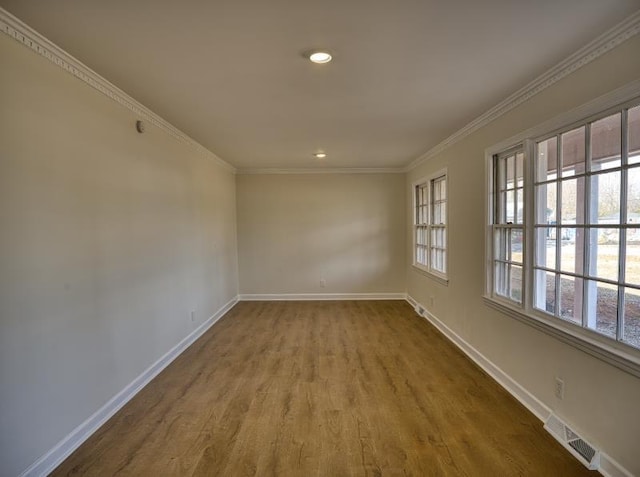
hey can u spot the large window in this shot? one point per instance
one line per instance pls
(587, 241)
(430, 224)
(574, 256)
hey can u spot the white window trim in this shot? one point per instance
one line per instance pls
(613, 352)
(438, 276)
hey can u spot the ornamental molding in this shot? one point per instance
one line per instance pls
(319, 170)
(614, 37)
(19, 31)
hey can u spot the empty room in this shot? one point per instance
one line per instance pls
(357, 238)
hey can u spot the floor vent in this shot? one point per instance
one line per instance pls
(419, 310)
(581, 449)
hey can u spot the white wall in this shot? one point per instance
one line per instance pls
(294, 230)
(600, 400)
(108, 239)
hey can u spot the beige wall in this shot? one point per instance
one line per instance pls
(294, 230)
(108, 240)
(600, 400)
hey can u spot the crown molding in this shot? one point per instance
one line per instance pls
(335, 170)
(598, 47)
(19, 31)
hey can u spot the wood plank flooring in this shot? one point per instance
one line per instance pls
(362, 388)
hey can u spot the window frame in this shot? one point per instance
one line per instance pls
(622, 355)
(503, 225)
(427, 182)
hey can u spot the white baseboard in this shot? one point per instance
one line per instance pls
(322, 296)
(539, 409)
(608, 466)
(49, 461)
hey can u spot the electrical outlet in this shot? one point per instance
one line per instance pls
(193, 315)
(323, 283)
(432, 300)
(559, 390)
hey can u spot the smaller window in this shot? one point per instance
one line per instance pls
(508, 218)
(430, 224)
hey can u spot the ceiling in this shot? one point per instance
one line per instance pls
(406, 74)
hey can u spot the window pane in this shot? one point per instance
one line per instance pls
(632, 259)
(510, 208)
(634, 135)
(546, 247)
(443, 189)
(438, 260)
(519, 206)
(572, 207)
(605, 198)
(516, 245)
(500, 241)
(602, 313)
(573, 152)
(571, 250)
(520, 169)
(443, 261)
(516, 283)
(606, 143)
(443, 213)
(545, 291)
(502, 174)
(546, 203)
(633, 195)
(500, 284)
(437, 237)
(604, 247)
(437, 185)
(547, 160)
(571, 298)
(511, 171)
(435, 219)
(632, 317)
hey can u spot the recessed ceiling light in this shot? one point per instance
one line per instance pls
(320, 155)
(320, 57)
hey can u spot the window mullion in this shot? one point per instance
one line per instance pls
(429, 209)
(558, 292)
(622, 246)
(586, 234)
(529, 231)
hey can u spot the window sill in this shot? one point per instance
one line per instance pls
(441, 279)
(621, 356)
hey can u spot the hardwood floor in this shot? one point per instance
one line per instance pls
(322, 388)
